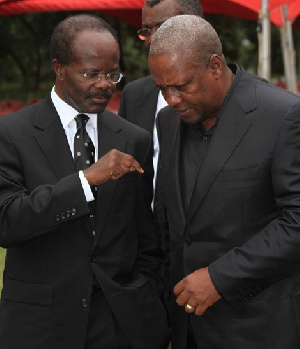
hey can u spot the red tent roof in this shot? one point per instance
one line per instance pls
(130, 10)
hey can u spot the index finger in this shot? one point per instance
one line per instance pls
(131, 163)
(178, 288)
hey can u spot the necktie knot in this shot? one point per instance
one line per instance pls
(81, 121)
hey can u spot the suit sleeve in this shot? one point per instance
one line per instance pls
(24, 214)
(273, 253)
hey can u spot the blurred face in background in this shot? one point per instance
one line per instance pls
(154, 17)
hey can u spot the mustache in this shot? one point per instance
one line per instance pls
(102, 94)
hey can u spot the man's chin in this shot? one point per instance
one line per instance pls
(188, 116)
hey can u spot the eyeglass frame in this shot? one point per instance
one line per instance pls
(149, 30)
(87, 76)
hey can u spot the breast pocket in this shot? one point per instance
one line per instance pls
(244, 176)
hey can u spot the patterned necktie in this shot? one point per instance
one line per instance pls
(84, 150)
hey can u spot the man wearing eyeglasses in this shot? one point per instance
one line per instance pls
(82, 258)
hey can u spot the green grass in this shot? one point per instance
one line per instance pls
(2, 257)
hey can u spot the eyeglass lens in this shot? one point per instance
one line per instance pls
(144, 33)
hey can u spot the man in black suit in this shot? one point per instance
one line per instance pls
(82, 260)
(229, 160)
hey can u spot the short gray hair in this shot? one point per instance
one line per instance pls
(188, 35)
(184, 7)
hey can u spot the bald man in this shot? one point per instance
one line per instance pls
(229, 161)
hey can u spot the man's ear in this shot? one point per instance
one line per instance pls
(216, 65)
(58, 68)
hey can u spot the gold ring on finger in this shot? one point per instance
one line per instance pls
(189, 308)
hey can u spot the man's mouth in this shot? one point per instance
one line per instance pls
(99, 98)
(182, 111)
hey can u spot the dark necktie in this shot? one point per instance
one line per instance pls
(84, 150)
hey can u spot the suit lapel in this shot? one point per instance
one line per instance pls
(232, 127)
(52, 139)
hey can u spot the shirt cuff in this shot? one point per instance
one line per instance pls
(86, 188)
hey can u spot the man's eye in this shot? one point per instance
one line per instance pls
(180, 87)
(112, 75)
(92, 75)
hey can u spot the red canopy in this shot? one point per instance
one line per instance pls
(293, 12)
(274, 8)
(130, 10)
(127, 10)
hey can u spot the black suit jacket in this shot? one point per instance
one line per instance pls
(242, 221)
(138, 105)
(139, 102)
(52, 256)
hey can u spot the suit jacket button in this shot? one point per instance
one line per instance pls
(84, 303)
(73, 211)
(62, 216)
(187, 242)
(57, 218)
(93, 259)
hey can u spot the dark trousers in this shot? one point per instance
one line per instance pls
(190, 339)
(104, 331)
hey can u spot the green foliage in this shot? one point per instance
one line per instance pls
(239, 40)
(135, 59)
(25, 56)
(25, 48)
(240, 43)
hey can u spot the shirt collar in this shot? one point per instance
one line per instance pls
(68, 113)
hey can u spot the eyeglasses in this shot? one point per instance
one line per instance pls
(93, 77)
(145, 33)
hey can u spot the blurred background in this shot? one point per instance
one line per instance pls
(25, 65)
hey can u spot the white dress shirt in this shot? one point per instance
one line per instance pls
(161, 103)
(67, 117)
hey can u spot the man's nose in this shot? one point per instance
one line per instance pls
(103, 83)
(172, 97)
